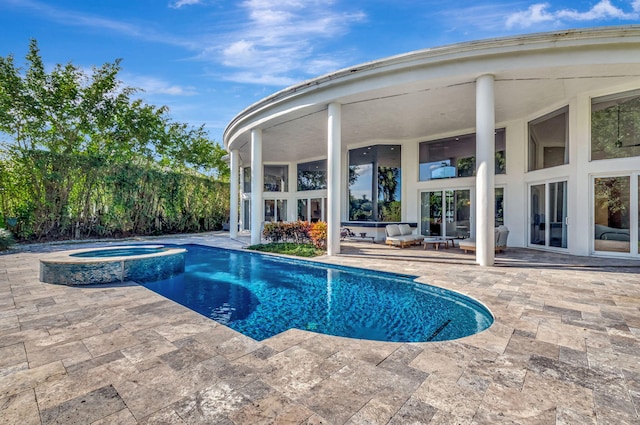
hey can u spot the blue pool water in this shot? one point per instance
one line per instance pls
(261, 296)
(117, 252)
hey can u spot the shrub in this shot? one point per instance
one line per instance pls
(297, 232)
(6, 239)
(318, 234)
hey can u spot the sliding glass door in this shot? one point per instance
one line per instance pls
(446, 213)
(548, 221)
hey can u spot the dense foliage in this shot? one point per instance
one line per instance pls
(80, 157)
(298, 232)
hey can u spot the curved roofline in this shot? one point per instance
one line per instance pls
(467, 49)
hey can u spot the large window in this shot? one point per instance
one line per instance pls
(456, 157)
(276, 178)
(615, 126)
(312, 175)
(374, 183)
(549, 140)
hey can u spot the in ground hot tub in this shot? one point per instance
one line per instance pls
(141, 263)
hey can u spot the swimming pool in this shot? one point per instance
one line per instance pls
(261, 296)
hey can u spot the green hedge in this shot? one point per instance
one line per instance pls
(75, 197)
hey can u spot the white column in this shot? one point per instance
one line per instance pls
(292, 196)
(485, 172)
(410, 197)
(334, 148)
(257, 204)
(580, 224)
(235, 192)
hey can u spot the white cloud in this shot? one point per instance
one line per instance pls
(541, 13)
(157, 86)
(179, 3)
(278, 44)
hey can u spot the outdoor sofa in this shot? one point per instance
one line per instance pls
(401, 235)
(501, 235)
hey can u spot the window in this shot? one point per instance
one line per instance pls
(374, 183)
(246, 174)
(499, 194)
(275, 210)
(456, 157)
(312, 175)
(615, 126)
(549, 140)
(276, 178)
(312, 210)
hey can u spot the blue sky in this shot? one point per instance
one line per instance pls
(209, 59)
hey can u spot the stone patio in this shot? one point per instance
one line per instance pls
(564, 349)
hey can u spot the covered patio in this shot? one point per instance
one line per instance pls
(408, 112)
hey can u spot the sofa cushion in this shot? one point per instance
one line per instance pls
(393, 230)
(405, 229)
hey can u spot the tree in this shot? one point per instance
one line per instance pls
(69, 133)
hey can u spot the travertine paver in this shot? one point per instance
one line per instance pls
(565, 349)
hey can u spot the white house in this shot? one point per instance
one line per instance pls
(538, 132)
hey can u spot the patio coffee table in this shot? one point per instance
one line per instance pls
(436, 242)
(448, 240)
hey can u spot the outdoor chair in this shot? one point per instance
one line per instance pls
(501, 235)
(401, 235)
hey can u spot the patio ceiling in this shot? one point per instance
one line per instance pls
(441, 103)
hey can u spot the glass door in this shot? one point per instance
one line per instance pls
(431, 213)
(558, 214)
(446, 213)
(612, 214)
(548, 215)
(458, 213)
